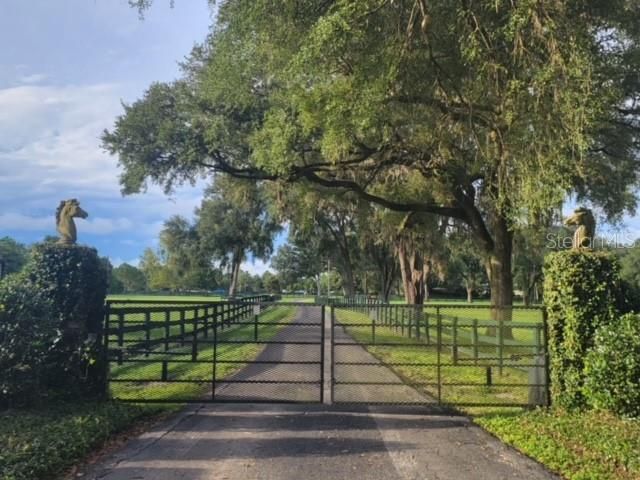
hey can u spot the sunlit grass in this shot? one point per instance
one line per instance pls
(447, 375)
(189, 379)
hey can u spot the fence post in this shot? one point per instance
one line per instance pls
(332, 359)
(182, 320)
(322, 347)
(373, 331)
(454, 342)
(545, 341)
(475, 340)
(215, 354)
(205, 321)
(255, 327)
(427, 333)
(120, 336)
(167, 329)
(501, 344)
(147, 332)
(419, 315)
(165, 371)
(194, 343)
(438, 359)
(537, 340)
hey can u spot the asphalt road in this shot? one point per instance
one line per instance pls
(313, 442)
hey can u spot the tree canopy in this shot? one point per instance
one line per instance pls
(13, 256)
(487, 112)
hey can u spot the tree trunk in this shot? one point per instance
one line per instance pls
(387, 275)
(412, 272)
(235, 273)
(427, 272)
(469, 294)
(526, 296)
(500, 278)
(348, 282)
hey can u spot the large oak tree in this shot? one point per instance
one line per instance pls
(499, 109)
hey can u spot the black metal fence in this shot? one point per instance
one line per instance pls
(255, 351)
(439, 354)
(235, 351)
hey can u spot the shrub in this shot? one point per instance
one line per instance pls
(630, 298)
(28, 333)
(612, 368)
(582, 292)
(74, 280)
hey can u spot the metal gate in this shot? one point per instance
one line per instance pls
(236, 351)
(452, 355)
(243, 351)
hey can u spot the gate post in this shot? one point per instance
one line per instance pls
(332, 354)
(322, 352)
(215, 354)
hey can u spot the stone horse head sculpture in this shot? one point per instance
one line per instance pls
(65, 213)
(585, 233)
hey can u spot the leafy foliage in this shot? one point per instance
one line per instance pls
(612, 368)
(28, 334)
(190, 266)
(579, 445)
(43, 443)
(582, 291)
(130, 278)
(13, 256)
(232, 221)
(74, 280)
(486, 112)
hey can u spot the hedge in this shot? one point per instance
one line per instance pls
(612, 368)
(51, 325)
(582, 292)
(28, 333)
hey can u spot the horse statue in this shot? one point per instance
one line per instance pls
(65, 213)
(585, 233)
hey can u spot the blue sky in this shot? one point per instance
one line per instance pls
(65, 66)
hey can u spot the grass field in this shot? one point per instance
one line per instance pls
(184, 378)
(454, 379)
(166, 298)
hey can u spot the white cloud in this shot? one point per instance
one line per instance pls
(34, 78)
(20, 222)
(17, 222)
(50, 139)
(256, 267)
(117, 261)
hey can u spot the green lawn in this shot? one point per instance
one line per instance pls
(165, 298)
(459, 380)
(41, 443)
(192, 380)
(578, 445)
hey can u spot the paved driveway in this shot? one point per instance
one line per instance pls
(282, 442)
(314, 442)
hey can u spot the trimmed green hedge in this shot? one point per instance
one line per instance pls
(75, 280)
(28, 332)
(50, 326)
(582, 292)
(612, 368)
